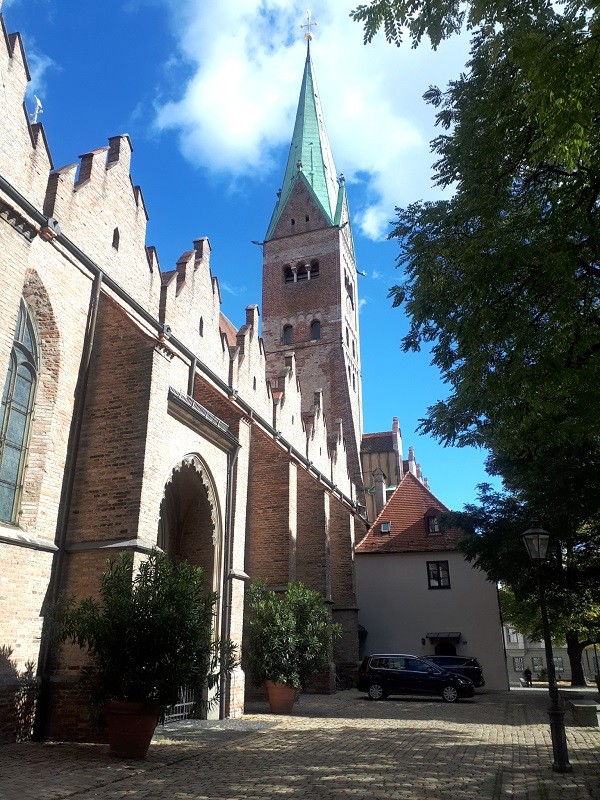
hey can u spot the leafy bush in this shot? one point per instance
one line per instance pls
(150, 634)
(289, 634)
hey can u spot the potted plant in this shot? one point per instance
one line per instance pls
(289, 640)
(149, 635)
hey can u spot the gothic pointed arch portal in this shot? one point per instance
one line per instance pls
(189, 524)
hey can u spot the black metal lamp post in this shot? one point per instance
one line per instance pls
(536, 541)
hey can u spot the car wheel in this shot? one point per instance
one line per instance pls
(376, 691)
(450, 693)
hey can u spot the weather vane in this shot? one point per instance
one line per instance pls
(309, 23)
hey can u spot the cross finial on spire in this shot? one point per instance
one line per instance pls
(308, 25)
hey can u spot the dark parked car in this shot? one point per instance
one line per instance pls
(396, 673)
(461, 665)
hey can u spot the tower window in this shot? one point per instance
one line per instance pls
(287, 334)
(314, 269)
(16, 412)
(288, 274)
(301, 273)
(306, 218)
(116, 237)
(293, 221)
(315, 329)
(201, 327)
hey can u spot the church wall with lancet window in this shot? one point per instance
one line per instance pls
(147, 399)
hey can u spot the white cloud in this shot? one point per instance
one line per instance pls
(245, 60)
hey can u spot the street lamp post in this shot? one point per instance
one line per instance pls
(536, 541)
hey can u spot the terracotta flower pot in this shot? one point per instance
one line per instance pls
(130, 728)
(281, 697)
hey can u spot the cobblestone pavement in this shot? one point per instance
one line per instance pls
(339, 747)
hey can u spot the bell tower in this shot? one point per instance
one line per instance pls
(309, 302)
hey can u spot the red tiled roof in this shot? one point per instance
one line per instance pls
(377, 442)
(228, 328)
(407, 510)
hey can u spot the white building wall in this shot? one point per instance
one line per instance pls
(398, 609)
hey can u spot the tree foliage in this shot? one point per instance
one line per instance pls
(502, 280)
(149, 634)
(289, 634)
(493, 543)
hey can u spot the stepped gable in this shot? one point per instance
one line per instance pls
(247, 373)
(228, 329)
(190, 305)
(407, 510)
(25, 158)
(99, 208)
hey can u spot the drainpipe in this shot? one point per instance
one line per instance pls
(56, 578)
(232, 457)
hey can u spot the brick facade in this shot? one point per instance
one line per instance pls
(144, 390)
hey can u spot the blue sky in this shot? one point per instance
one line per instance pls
(208, 94)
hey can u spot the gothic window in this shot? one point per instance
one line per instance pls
(315, 329)
(288, 274)
(16, 412)
(286, 336)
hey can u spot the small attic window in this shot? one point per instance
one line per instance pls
(433, 525)
(385, 527)
(116, 237)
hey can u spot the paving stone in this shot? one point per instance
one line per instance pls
(339, 747)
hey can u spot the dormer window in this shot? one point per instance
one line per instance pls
(433, 525)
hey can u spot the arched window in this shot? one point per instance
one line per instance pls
(288, 274)
(314, 270)
(315, 329)
(286, 336)
(15, 413)
(301, 272)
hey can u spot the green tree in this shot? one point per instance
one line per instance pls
(502, 280)
(493, 543)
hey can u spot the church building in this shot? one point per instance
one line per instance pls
(135, 415)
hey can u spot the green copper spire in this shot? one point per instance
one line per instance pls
(310, 154)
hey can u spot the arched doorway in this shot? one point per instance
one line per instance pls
(445, 649)
(189, 528)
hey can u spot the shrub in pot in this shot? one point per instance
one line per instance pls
(289, 639)
(149, 635)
